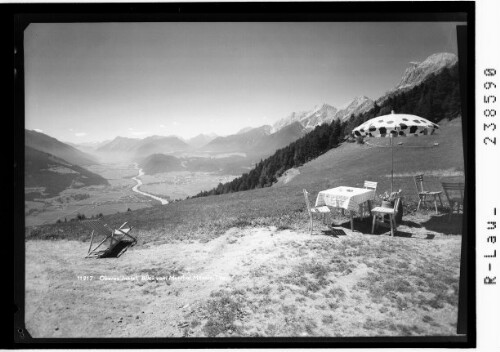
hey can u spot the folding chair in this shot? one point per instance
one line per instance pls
(317, 210)
(450, 190)
(422, 194)
(118, 240)
(379, 214)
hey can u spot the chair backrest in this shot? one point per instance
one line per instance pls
(419, 183)
(396, 203)
(453, 188)
(371, 185)
(306, 196)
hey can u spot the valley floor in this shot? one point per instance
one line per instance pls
(251, 281)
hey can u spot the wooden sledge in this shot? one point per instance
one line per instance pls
(115, 242)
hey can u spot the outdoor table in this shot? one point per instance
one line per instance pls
(348, 198)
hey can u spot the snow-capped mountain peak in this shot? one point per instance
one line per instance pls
(319, 114)
(356, 106)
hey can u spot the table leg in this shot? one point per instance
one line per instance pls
(369, 207)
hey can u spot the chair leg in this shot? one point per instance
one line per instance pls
(395, 225)
(392, 226)
(352, 220)
(440, 201)
(373, 222)
(435, 204)
(419, 202)
(310, 216)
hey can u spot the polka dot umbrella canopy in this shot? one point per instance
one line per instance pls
(395, 125)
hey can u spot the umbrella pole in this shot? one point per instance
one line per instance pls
(392, 164)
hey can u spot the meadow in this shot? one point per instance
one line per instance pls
(181, 184)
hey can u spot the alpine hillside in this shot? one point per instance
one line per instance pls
(47, 144)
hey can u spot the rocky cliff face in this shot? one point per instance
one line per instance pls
(417, 72)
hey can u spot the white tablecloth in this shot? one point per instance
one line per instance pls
(349, 198)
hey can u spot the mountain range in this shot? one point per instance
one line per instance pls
(256, 142)
(57, 158)
(260, 140)
(325, 113)
(201, 139)
(47, 144)
(415, 73)
(135, 147)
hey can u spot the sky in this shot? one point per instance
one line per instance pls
(92, 82)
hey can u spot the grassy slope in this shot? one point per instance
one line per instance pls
(351, 163)
(283, 206)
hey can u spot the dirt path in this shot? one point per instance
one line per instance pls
(61, 304)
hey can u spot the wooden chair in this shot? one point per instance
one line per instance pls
(118, 240)
(317, 210)
(368, 185)
(422, 194)
(379, 213)
(454, 192)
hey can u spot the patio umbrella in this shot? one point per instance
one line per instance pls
(395, 125)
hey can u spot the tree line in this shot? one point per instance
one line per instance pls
(436, 98)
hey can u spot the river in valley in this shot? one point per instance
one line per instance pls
(139, 183)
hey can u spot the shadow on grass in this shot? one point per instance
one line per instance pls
(363, 225)
(333, 232)
(445, 224)
(411, 223)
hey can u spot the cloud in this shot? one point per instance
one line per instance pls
(175, 123)
(138, 133)
(71, 130)
(80, 134)
(37, 130)
(162, 126)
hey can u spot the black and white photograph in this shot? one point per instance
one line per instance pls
(246, 179)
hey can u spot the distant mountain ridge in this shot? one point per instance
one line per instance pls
(308, 119)
(47, 144)
(53, 174)
(201, 140)
(238, 142)
(257, 142)
(325, 113)
(136, 147)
